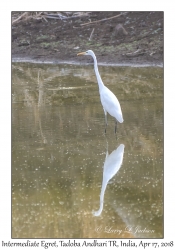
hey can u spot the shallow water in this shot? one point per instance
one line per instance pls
(60, 188)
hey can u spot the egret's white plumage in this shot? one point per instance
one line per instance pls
(109, 101)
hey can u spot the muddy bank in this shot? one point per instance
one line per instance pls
(117, 38)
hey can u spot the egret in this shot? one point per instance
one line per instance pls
(109, 101)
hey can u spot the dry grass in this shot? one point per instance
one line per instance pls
(18, 17)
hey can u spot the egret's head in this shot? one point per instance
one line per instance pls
(86, 53)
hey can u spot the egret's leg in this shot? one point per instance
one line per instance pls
(106, 149)
(106, 122)
(115, 126)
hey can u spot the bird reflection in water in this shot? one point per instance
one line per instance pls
(112, 165)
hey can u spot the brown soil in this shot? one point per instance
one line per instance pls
(132, 37)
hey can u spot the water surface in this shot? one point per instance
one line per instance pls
(69, 179)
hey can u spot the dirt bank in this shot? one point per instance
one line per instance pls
(115, 37)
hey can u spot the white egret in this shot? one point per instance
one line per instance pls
(109, 101)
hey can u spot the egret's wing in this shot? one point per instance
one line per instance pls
(111, 104)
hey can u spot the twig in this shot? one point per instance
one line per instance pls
(91, 34)
(59, 16)
(152, 53)
(135, 53)
(44, 19)
(37, 16)
(132, 53)
(100, 20)
(54, 16)
(14, 21)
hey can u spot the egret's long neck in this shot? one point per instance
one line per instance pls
(99, 80)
